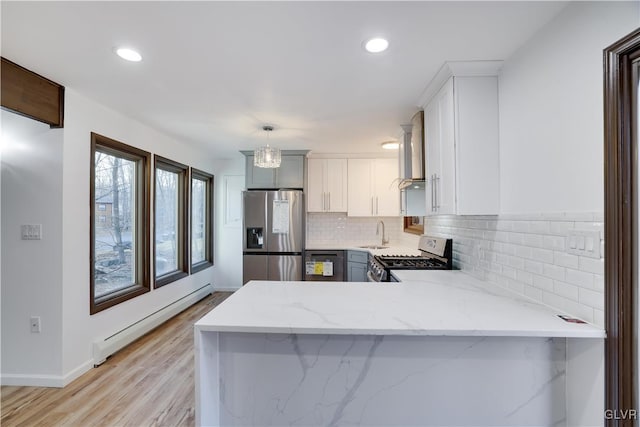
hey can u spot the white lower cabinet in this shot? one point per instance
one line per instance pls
(373, 187)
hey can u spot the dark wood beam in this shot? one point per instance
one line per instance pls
(31, 95)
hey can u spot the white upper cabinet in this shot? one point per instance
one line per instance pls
(462, 147)
(373, 187)
(326, 185)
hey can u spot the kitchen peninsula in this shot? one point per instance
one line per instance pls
(439, 348)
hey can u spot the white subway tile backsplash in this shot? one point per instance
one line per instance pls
(533, 292)
(533, 266)
(560, 228)
(565, 289)
(598, 317)
(524, 277)
(509, 272)
(553, 242)
(543, 255)
(580, 278)
(527, 253)
(533, 240)
(598, 283)
(554, 300)
(524, 251)
(338, 227)
(542, 282)
(516, 262)
(591, 298)
(554, 271)
(565, 260)
(595, 266)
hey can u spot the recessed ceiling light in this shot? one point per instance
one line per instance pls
(391, 145)
(128, 54)
(376, 45)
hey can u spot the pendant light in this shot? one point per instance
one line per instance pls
(267, 156)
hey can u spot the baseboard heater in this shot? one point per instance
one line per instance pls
(106, 347)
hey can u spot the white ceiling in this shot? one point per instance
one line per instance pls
(214, 72)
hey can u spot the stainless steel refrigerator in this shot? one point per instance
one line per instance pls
(273, 235)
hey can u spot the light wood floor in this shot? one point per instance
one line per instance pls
(148, 383)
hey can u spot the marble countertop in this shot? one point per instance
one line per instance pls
(390, 249)
(427, 303)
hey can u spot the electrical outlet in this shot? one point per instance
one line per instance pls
(35, 324)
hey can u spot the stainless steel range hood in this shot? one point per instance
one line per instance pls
(412, 152)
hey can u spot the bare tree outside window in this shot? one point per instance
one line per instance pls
(114, 186)
(201, 220)
(198, 218)
(171, 220)
(119, 222)
(166, 225)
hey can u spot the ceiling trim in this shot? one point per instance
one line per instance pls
(460, 69)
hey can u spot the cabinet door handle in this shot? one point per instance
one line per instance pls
(376, 205)
(372, 206)
(323, 201)
(329, 201)
(433, 203)
(437, 194)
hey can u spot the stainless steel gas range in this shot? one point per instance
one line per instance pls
(437, 254)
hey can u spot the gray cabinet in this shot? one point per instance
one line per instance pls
(357, 266)
(290, 174)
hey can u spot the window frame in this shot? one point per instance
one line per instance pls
(103, 144)
(182, 241)
(209, 240)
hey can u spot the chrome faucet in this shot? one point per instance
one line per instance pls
(384, 240)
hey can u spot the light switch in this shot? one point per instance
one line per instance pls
(584, 243)
(589, 244)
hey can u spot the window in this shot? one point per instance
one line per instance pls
(102, 207)
(119, 251)
(170, 225)
(201, 220)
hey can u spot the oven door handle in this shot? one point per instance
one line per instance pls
(371, 277)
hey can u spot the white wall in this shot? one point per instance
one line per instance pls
(31, 269)
(83, 116)
(551, 111)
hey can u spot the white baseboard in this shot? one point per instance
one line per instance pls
(32, 380)
(77, 372)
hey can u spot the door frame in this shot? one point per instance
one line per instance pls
(620, 214)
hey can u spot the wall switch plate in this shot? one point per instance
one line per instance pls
(31, 231)
(35, 324)
(583, 243)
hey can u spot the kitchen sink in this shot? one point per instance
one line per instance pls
(373, 247)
